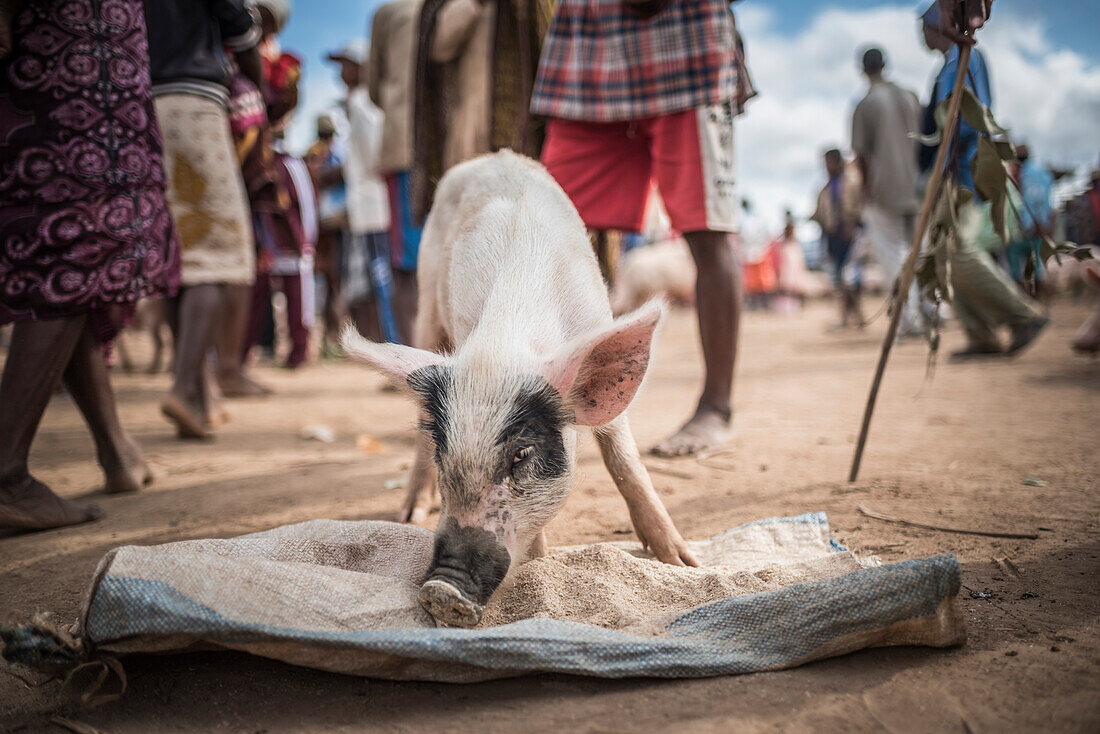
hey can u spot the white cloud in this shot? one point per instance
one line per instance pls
(809, 83)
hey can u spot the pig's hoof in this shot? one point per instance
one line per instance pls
(449, 606)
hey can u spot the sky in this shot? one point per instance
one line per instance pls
(1044, 59)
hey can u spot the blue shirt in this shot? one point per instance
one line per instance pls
(978, 80)
(1035, 185)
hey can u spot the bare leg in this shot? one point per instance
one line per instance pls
(327, 262)
(155, 310)
(421, 490)
(89, 383)
(421, 494)
(124, 360)
(187, 404)
(229, 342)
(651, 521)
(404, 301)
(718, 305)
(364, 313)
(36, 359)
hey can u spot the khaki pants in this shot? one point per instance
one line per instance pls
(985, 297)
(890, 235)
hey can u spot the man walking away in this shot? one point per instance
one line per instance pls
(985, 297)
(883, 126)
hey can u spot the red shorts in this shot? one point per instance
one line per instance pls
(606, 168)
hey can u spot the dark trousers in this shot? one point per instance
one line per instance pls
(291, 286)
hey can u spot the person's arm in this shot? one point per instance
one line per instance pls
(454, 25)
(819, 210)
(240, 33)
(238, 26)
(365, 128)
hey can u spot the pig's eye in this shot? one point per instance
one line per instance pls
(522, 455)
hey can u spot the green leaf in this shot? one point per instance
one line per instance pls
(926, 272)
(977, 114)
(1080, 253)
(991, 181)
(1005, 149)
(1048, 248)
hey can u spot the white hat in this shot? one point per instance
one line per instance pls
(354, 51)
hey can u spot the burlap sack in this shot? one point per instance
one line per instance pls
(341, 596)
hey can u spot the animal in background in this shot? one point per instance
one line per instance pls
(664, 268)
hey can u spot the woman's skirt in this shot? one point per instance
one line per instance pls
(84, 224)
(206, 191)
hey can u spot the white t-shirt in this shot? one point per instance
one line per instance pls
(368, 200)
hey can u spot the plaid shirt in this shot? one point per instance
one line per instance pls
(603, 61)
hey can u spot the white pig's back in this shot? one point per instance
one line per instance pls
(509, 258)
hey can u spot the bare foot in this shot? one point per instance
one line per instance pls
(707, 429)
(659, 536)
(217, 417)
(126, 472)
(188, 424)
(28, 504)
(239, 385)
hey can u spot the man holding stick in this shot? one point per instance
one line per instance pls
(985, 297)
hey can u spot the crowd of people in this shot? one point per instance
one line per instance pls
(142, 156)
(868, 209)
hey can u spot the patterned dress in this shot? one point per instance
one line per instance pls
(84, 226)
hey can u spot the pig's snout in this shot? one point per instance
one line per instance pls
(468, 565)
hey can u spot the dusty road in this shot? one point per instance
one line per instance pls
(954, 451)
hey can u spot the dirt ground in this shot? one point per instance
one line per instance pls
(953, 451)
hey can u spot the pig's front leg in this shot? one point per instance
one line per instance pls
(421, 489)
(651, 520)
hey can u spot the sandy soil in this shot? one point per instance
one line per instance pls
(953, 451)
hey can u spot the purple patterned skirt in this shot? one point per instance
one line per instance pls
(84, 225)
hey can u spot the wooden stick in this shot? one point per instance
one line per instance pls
(906, 275)
(944, 528)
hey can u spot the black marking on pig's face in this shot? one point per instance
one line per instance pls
(433, 385)
(536, 420)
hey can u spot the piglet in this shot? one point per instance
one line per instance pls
(515, 346)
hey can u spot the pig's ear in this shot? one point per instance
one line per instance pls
(395, 360)
(600, 376)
